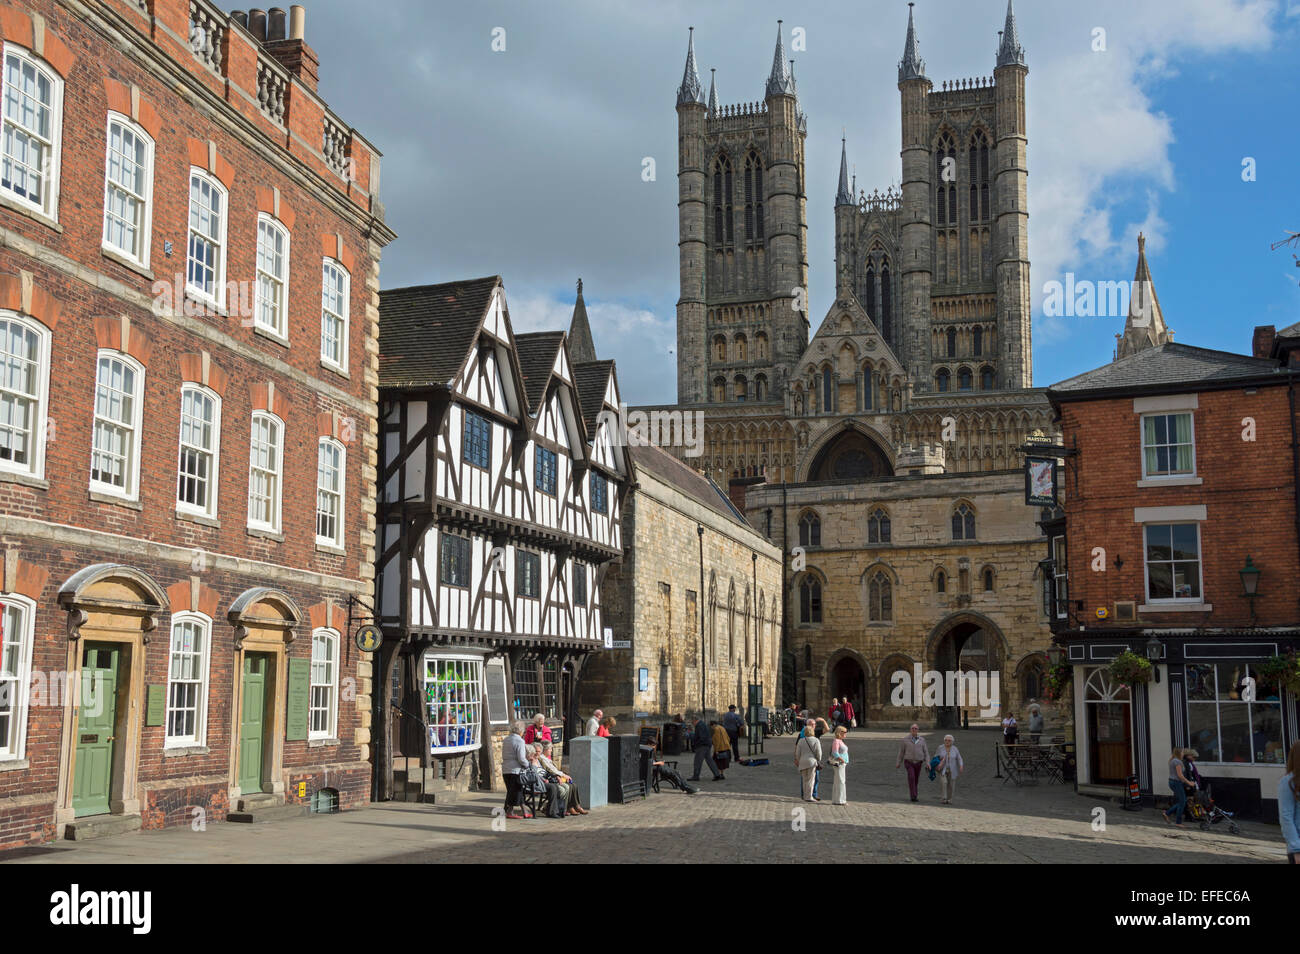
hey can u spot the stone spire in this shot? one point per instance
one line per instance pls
(845, 195)
(1011, 53)
(1145, 326)
(781, 81)
(713, 93)
(911, 66)
(581, 348)
(690, 91)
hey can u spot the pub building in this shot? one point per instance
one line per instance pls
(500, 490)
(1176, 539)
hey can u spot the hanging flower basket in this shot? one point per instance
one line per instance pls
(1059, 679)
(1281, 672)
(1130, 668)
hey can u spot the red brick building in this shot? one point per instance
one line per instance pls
(189, 258)
(1178, 481)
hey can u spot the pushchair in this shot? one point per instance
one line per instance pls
(1202, 810)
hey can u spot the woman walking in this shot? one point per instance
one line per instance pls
(1288, 804)
(807, 758)
(839, 762)
(1179, 783)
(949, 768)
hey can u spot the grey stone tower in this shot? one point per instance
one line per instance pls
(1012, 244)
(742, 316)
(913, 341)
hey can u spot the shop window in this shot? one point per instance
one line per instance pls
(1224, 725)
(453, 693)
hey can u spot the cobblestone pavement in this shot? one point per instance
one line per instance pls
(751, 816)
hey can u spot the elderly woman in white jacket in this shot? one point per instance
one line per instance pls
(807, 758)
(949, 768)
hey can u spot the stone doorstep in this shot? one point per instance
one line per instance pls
(264, 807)
(101, 826)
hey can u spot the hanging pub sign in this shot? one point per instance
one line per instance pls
(369, 638)
(1040, 481)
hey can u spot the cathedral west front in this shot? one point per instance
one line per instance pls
(880, 446)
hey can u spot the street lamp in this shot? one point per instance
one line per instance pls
(1250, 584)
(1155, 651)
(1055, 655)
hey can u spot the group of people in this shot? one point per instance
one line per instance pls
(527, 768)
(600, 724)
(841, 713)
(1011, 728)
(716, 743)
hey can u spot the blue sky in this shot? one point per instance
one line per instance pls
(526, 162)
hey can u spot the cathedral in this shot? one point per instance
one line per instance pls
(881, 451)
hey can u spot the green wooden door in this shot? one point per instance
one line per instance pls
(252, 739)
(97, 718)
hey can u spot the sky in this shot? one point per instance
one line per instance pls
(515, 135)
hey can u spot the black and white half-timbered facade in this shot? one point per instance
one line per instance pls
(500, 489)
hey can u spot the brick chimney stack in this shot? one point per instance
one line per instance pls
(1261, 344)
(281, 37)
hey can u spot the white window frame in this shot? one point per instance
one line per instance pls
(339, 493)
(49, 207)
(131, 483)
(1142, 444)
(217, 297)
(277, 495)
(214, 469)
(331, 686)
(344, 317)
(200, 734)
(271, 223)
(1061, 607)
(144, 227)
(467, 710)
(17, 686)
(35, 466)
(1200, 567)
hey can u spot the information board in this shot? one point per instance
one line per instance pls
(298, 700)
(494, 678)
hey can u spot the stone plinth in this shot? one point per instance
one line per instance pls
(589, 766)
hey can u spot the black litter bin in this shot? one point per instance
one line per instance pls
(647, 766)
(674, 741)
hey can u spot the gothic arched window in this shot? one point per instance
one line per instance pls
(886, 305)
(988, 579)
(964, 379)
(952, 342)
(946, 177)
(941, 582)
(828, 394)
(760, 346)
(878, 527)
(753, 198)
(810, 600)
(880, 598)
(742, 348)
(742, 387)
(720, 347)
(978, 155)
(869, 293)
(810, 530)
(963, 523)
(941, 380)
(986, 379)
(760, 388)
(719, 390)
(723, 217)
(978, 341)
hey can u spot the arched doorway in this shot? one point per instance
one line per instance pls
(1110, 734)
(968, 643)
(848, 679)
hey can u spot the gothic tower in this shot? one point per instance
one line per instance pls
(742, 316)
(942, 268)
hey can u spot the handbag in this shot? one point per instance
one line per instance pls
(855, 723)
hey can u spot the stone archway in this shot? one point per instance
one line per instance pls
(112, 612)
(848, 675)
(967, 642)
(852, 450)
(264, 622)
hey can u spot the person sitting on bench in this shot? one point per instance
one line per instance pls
(665, 772)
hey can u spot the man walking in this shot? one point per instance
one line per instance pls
(732, 722)
(1035, 722)
(593, 724)
(704, 751)
(914, 753)
(847, 709)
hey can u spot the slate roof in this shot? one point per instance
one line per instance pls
(536, 353)
(1165, 367)
(591, 379)
(690, 482)
(426, 331)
